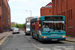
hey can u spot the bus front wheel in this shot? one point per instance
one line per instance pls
(38, 37)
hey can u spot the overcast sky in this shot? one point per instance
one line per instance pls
(19, 7)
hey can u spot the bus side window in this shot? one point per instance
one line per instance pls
(32, 25)
(36, 25)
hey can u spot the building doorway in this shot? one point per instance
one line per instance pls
(1, 30)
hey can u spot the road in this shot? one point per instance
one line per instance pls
(23, 42)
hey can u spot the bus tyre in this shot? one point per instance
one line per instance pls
(38, 37)
(32, 36)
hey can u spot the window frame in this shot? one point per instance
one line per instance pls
(58, 2)
(63, 0)
(54, 3)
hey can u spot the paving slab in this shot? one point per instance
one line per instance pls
(70, 39)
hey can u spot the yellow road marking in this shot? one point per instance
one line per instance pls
(4, 39)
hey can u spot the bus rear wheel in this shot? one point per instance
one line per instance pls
(32, 36)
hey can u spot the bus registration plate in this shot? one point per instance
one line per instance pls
(54, 39)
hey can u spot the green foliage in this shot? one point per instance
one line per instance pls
(17, 25)
(21, 26)
(13, 25)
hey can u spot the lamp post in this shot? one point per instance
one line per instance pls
(30, 12)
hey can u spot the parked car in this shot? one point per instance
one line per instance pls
(10, 29)
(16, 30)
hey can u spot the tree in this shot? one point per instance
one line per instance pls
(17, 25)
(21, 26)
(13, 25)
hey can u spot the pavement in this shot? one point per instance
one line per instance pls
(4, 34)
(72, 39)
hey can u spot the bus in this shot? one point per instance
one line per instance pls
(54, 28)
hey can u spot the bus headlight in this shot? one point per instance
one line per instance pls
(44, 36)
(63, 36)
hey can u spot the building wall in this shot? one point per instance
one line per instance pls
(9, 19)
(42, 11)
(45, 11)
(1, 28)
(66, 8)
(4, 16)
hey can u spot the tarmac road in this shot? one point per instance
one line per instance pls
(23, 42)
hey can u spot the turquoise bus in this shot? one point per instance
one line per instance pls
(48, 28)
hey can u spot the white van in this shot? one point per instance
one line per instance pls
(27, 28)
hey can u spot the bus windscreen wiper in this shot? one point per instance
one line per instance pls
(58, 30)
(48, 31)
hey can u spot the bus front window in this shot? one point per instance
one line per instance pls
(54, 25)
(59, 25)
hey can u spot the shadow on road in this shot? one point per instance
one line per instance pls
(51, 42)
(46, 42)
(28, 35)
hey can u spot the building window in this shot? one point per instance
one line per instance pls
(63, 0)
(49, 10)
(8, 19)
(0, 4)
(64, 13)
(58, 2)
(8, 13)
(71, 14)
(54, 3)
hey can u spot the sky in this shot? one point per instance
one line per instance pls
(18, 9)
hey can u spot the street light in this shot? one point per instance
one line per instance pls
(30, 12)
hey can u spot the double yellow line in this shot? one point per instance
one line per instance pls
(4, 39)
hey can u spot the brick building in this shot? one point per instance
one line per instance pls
(67, 8)
(5, 19)
(13, 23)
(28, 19)
(46, 10)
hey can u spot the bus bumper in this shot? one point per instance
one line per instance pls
(53, 39)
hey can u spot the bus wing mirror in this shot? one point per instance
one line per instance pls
(39, 25)
(65, 22)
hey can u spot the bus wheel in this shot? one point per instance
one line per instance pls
(38, 37)
(32, 36)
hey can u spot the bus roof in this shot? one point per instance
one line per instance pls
(52, 16)
(43, 17)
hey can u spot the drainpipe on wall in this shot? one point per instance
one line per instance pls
(2, 17)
